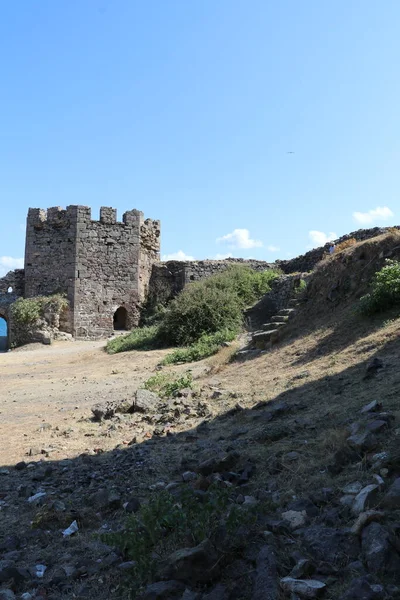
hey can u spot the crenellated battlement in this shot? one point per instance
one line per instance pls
(64, 217)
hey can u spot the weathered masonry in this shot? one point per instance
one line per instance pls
(103, 266)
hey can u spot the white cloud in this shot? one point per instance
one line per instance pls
(239, 238)
(273, 248)
(8, 263)
(180, 255)
(319, 238)
(380, 213)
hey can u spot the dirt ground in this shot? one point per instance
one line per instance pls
(57, 385)
(47, 392)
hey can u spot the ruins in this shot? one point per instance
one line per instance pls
(108, 269)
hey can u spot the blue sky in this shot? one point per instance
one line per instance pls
(187, 111)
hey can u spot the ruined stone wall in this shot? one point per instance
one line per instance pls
(306, 262)
(169, 278)
(113, 265)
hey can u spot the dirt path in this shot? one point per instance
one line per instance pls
(56, 386)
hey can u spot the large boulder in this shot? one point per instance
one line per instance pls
(194, 565)
(379, 553)
(145, 401)
(328, 544)
(266, 578)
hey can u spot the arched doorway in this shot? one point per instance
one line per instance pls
(121, 319)
(3, 334)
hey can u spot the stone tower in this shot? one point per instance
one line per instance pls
(103, 266)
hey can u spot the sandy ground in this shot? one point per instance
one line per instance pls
(57, 385)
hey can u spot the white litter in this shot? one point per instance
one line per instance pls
(73, 528)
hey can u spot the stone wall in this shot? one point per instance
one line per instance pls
(169, 278)
(306, 262)
(11, 287)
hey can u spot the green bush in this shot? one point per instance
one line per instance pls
(167, 384)
(28, 311)
(204, 308)
(165, 525)
(385, 290)
(207, 345)
(144, 338)
(214, 304)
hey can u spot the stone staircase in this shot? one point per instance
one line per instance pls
(271, 332)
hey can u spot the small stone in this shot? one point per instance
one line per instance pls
(302, 569)
(132, 506)
(223, 462)
(305, 588)
(189, 476)
(363, 442)
(20, 466)
(365, 498)
(352, 488)
(37, 498)
(291, 456)
(376, 426)
(365, 518)
(250, 501)
(294, 518)
(373, 406)
(347, 500)
(126, 566)
(392, 498)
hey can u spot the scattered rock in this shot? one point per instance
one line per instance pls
(305, 588)
(373, 406)
(132, 506)
(266, 578)
(352, 488)
(380, 556)
(163, 590)
(223, 462)
(145, 401)
(302, 569)
(365, 518)
(365, 441)
(20, 466)
(392, 498)
(294, 518)
(198, 564)
(335, 546)
(109, 408)
(373, 367)
(365, 498)
(361, 589)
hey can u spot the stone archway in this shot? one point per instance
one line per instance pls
(120, 319)
(4, 332)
